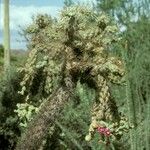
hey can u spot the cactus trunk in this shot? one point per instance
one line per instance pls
(6, 36)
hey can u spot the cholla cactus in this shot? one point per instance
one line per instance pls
(25, 112)
(77, 46)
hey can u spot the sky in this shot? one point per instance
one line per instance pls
(21, 12)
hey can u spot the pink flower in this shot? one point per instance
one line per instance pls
(101, 129)
(104, 131)
(107, 133)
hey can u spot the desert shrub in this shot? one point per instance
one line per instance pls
(1, 55)
(1, 50)
(9, 129)
(10, 124)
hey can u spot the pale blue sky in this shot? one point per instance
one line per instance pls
(37, 2)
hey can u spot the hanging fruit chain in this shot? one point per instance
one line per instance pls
(105, 117)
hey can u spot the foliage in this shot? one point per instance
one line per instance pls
(138, 66)
(134, 48)
(1, 55)
(1, 50)
(68, 3)
(9, 129)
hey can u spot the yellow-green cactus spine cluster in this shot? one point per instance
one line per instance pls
(25, 113)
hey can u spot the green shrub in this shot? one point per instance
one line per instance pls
(1, 50)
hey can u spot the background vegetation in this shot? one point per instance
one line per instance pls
(132, 98)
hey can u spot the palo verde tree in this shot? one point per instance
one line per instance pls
(73, 49)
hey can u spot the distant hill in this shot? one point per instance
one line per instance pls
(19, 51)
(18, 58)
